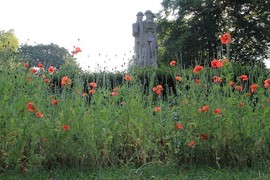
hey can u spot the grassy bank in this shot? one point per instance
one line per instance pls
(150, 171)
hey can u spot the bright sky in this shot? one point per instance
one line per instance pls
(102, 26)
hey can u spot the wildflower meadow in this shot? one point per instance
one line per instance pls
(215, 115)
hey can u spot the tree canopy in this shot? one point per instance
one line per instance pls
(9, 45)
(192, 36)
(48, 55)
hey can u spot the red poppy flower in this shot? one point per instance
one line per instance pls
(51, 69)
(253, 88)
(205, 108)
(78, 49)
(114, 93)
(225, 38)
(197, 69)
(40, 65)
(266, 85)
(65, 80)
(217, 111)
(31, 107)
(178, 78)
(192, 143)
(158, 89)
(47, 81)
(26, 65)
(244, 77)
(91, 91)
(33, 70)
(54, 102)
(197, 81)
(38, 113)
(158, 92)
(217, 79)
(267, 80)
(93, 84)
(231, 83)
(173, 63)
(66, 127)
(204, 136)
(216, 63)
(238, 88)
(128, 77)
(157, 109)
(179, 126)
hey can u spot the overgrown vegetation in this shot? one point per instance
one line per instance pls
(207, 117)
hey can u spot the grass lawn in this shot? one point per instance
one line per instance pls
(149, 171)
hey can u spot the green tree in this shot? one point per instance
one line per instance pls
(9, 45)
(194, 32)
(48, 55)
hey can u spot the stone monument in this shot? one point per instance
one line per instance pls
(145, 35)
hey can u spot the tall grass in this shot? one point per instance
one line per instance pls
(190, 122)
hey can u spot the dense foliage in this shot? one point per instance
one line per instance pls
(192, 36)
(9, 45)
(209, 117)
(49, 54)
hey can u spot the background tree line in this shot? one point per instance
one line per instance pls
(192, 35)
(47, 54)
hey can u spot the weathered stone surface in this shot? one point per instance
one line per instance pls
(145, 35)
